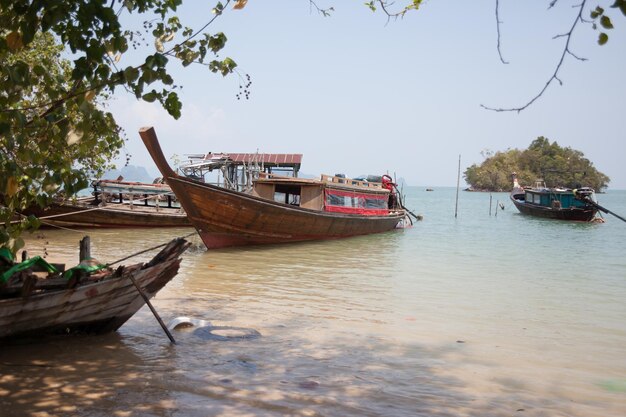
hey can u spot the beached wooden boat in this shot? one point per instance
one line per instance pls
(554, 203)
(280, 209)
(116, 204)
(97, 302)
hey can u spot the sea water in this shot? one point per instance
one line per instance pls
(486, 313)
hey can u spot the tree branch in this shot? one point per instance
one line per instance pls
(385, 7)
(498, 22)
(323, 12)
(555, 75)
(199, 31)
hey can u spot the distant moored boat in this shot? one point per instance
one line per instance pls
(554, 203)
(115, 204)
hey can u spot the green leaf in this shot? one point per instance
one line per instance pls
(4, 128)
(131, 74)
(229, 66)
(173, 105)
(39, 70)
(160, 60)
(218, 9)
(150, 97)
(605, 21)
(603, 38)
(29, 28)
(149, 76)
(599, 11)
(217, 42)
(20, 73)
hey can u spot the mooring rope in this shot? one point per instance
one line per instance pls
(148, 250)
(62, 227)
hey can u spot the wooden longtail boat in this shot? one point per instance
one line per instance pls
(554, 203)
(308, 209)
(116, 204)
(99, 302)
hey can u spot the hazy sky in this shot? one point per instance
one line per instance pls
(358, 95)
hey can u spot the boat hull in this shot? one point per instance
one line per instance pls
(229, 218)
(583, 214)
(94, 308)
(110, 216)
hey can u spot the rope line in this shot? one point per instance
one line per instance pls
(62, 227)
(147, 250)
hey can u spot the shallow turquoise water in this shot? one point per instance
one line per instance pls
(479, 315)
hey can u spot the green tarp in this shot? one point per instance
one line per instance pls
(37, 260)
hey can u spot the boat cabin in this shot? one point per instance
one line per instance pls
(330, 193)
(553, 198)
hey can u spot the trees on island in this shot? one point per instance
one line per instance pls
(557, 166)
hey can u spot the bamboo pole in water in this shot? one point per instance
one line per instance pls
(85, 253)
(458, 179)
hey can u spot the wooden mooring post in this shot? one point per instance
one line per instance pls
(85, 249)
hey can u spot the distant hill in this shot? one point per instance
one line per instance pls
(130, 173)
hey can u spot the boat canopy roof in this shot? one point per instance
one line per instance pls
(286, 160)
(270, 159)
(200, 164)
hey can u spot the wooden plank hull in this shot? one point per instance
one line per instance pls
(96, 307)
(574, 213)
(229, 218)
(110, 216)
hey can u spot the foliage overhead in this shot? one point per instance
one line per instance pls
(557, 166)
(46, 146)
(54, 130)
